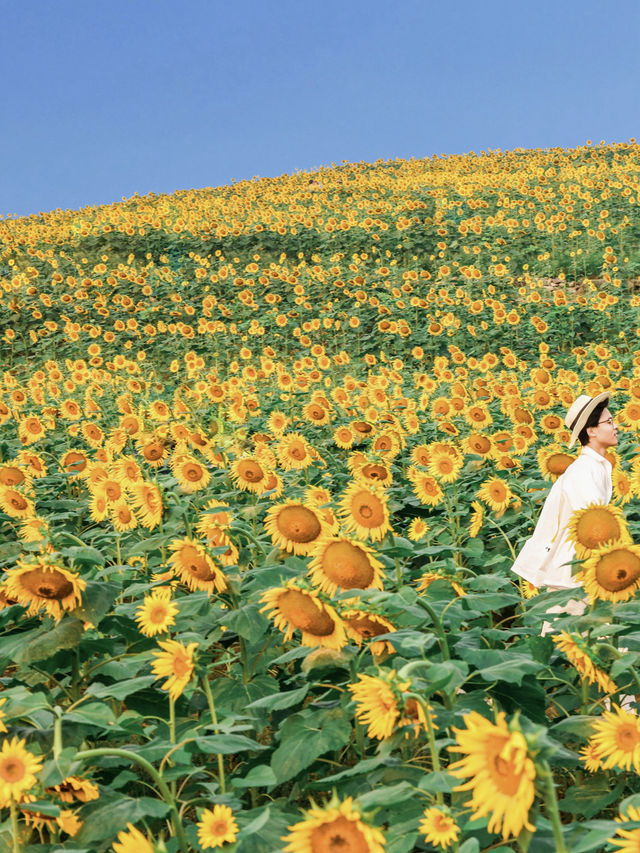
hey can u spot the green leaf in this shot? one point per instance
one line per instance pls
(120, 689)
(92, 714)
(97, 601)
(501, 665)
(22, 703)
(247, 622)
(438, 781)
(471, 845)
(389, 795)
(591, 797)
(226, 744)
(111, 814)
(594, 836)
(84, 554)
(57, 769)
(279, 701)
(307, 735)
(261, 776)
(65, 635)
(151, 544)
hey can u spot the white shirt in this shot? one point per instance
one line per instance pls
(545, 558)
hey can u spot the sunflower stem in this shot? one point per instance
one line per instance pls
(437, 624)
(433, 749)
(57, 731)
(551, 806)
(14, 826)
(214, 720)
(172, 735)
(178, 830)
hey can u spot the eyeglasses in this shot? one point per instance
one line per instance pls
(608, 421)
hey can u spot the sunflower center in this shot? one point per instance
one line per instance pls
(153, 451)
(47, 584)
(338, 836)
(11, 476)
(17, 501)
(193, 473)
(306, 614)
(298, 523)
(627, 737)
(366, 626)
(250, 471)
(219, 827)
(12, 770)
(558, 463)
(618, 569)
(597, 526)
(181, 665)
(195, 563)
(158, 614)
(347, 565)
(503, 774)
(367, 509)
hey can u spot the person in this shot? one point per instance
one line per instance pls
(545, 559)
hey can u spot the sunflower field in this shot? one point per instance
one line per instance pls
(267, 454)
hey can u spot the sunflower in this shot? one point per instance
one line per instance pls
(216, 827)
(376, 473)
(344, 437)
(74, 463)
(12, 476)
(616, 739)
(426, 488)
(195, 567)
(623, 486)
(381, 706)
(15, 504)
(44, 586)
(578, 653)
(502, 782)
(31, 430)
(611, 573)
(590, 759)
(122, 517)
(364, 625)
(316, 414)
(294, 452)
(496, 494)
(191, 475)
(418, 529)
(18, 768)
(157, 612)
(132, 841)
(148, 503)
(294, 526)
(75, 789)
(216, 514)
(445, 466)
(127, 471)
(553, 461)
(98, 507)
(341, 563)
(477, 517)
(174, 662)
(293, 608)
(428, 578)
(478, 443)
(365, 511)
(248, 475)
(420, 455)
(277, 422)
(595, 526)
(92, 434)
(337, 826)
(438, 827)
(153, 448)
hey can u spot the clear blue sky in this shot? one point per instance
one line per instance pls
(104, 99)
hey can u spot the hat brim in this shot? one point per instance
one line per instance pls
(584, 415)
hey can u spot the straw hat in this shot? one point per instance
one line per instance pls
(578, 414)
